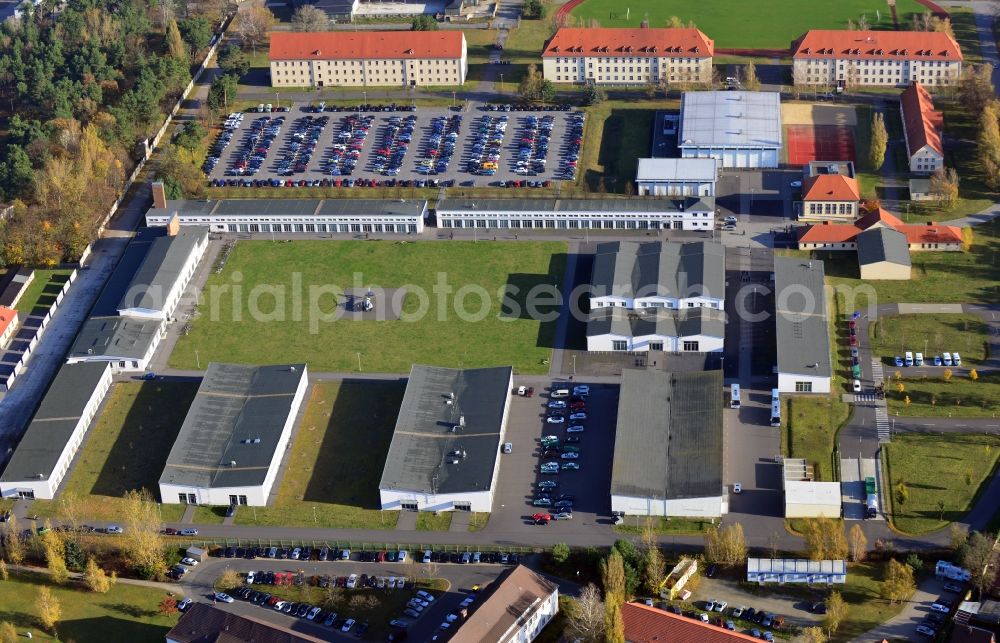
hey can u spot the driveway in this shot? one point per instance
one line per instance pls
(795, 610)
(901, 627)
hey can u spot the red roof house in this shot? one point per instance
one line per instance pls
(922, 126)
(644, 624)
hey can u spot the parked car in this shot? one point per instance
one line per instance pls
(222, 597)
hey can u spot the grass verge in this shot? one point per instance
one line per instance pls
(41, 292)
(428, 521)
(333, 474)
(960, 397)
(478, 521)
(677, 526)
(941, 474)
(810, 431)
(933, 334)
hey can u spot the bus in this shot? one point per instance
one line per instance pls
(734, 396)
(775, 408)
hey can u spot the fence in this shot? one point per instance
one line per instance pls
(209, 545)
(22, 362)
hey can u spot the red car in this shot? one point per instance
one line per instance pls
(541, 518)
(531, 392)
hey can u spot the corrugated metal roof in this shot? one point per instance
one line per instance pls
(115, 338)
(630, 268)
(293, 207)
(509, 600)
(161, 268)
(674, 169)
(668, 438)
(430, 428)
(803, 337)
(644, 205)
(880, 244)
(231, 431)
(730, 119)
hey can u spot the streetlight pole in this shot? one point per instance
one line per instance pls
(452, 98)
(365, 94)
(359, 362)
(501, 83)
(277, 100)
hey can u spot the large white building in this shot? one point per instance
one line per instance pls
(841, 58)
(668, 445)
(368, 58)
(624, 56)
(806, 497)
(801, 330)
(922, 130)
(229, 449)
(296, 216)
(681, 213)
(445, 449)
(655, 296)
(166, 271)
(676, 177)
(127, 344)
(44, 454)
(514, 608)
(737, 128)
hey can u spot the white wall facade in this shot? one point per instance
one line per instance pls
(46, 489)
(887, 72)
(746, 157)
(256, 495)
(607, 343)
(675, 187)
(528, 629)
(925, 160)
(366, 72)
(832, 245)
(710, 507)
(607, 220)
(172, 297)
(123, 364)
(615, 69)
(845, 211)
(279, 223)
(12, 327)
(794, 383)
(670, 303)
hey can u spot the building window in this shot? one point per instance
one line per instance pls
(803, 387)
(619, 345)
(691, 346)
(656, 346)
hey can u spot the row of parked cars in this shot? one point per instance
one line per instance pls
(484, 157)
(440, 146)
(525, 107)
(934, 620)
(917, 359)
(571, 154)
(307, 611)
(715, 613)
(301, 144)
(255, 146)
(560, 454)
(396, 137)
(368, 107)
(346, 149)
(533, 144)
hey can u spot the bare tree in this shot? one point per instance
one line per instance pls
(944, 186)
(585, 621)
(253, 24)
(975, 555)
(859, 543)
(309, 17)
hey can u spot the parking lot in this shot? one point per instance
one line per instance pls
(520, 470)
(400, 146)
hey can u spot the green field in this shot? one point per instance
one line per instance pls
(961, 397)
(809, 430)
(770, 24)
(505, 334)
(946, 469)
(333, 473)
(126, 613)
(125, 449)
(967, 334)
(42, 290)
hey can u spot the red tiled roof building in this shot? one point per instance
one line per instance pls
(922, 126)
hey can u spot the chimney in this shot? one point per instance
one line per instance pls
(159, 194)
(174, 225)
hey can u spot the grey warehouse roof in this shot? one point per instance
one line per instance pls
(673, 169)
(293, 207)
(668, 440)
(429, 429)
(629, 268)
(161, 268)
(803, 337)
(115, 337)
(645, 205)
(730, 119)
(710, 322)
(53, 423)
(131, 260)
(236, 417)
(883, 244)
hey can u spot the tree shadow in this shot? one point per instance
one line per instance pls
(109, 628)
(528, 296)
(128, 609)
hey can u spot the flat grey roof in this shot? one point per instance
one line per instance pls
(644, 269)
(429, 429)
(668, 439)
(803, 337)
(14, 285)
(237, 417)
(53, 423)
(644, 205)
(883, 244)
(843, 168)
(657, 321)
(161, 268)
(730, 119)
(115, 337)
(674, 169)
(128, 265)
(922, 186)
(293, 207)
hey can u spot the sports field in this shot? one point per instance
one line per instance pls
(463, 304)
(768, 24)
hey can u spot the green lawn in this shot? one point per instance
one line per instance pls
(809, 430)
(940, 277)
(676, 526)
(617, 133)
(769, 24)
(946, 469)
(524, 47)
(126, 449)
(126, 613)
(333, 472)
(959, 398)
(42, 290)
(966, 334)
(427, 521)
(437, 336)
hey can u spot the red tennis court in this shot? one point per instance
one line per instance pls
(819, 143)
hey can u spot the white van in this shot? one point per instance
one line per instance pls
(908, 358)
(956, 359)
(946, 358)
(560, 392)
(734, 396)
(919, 360)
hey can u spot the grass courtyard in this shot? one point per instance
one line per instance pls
(125, 449)
(967, 334)
(126, 613)
(495, 332)
(942, 475)
(334, 467)
(42, 290)
(770, 24)
(960, 397)
(809, 430)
